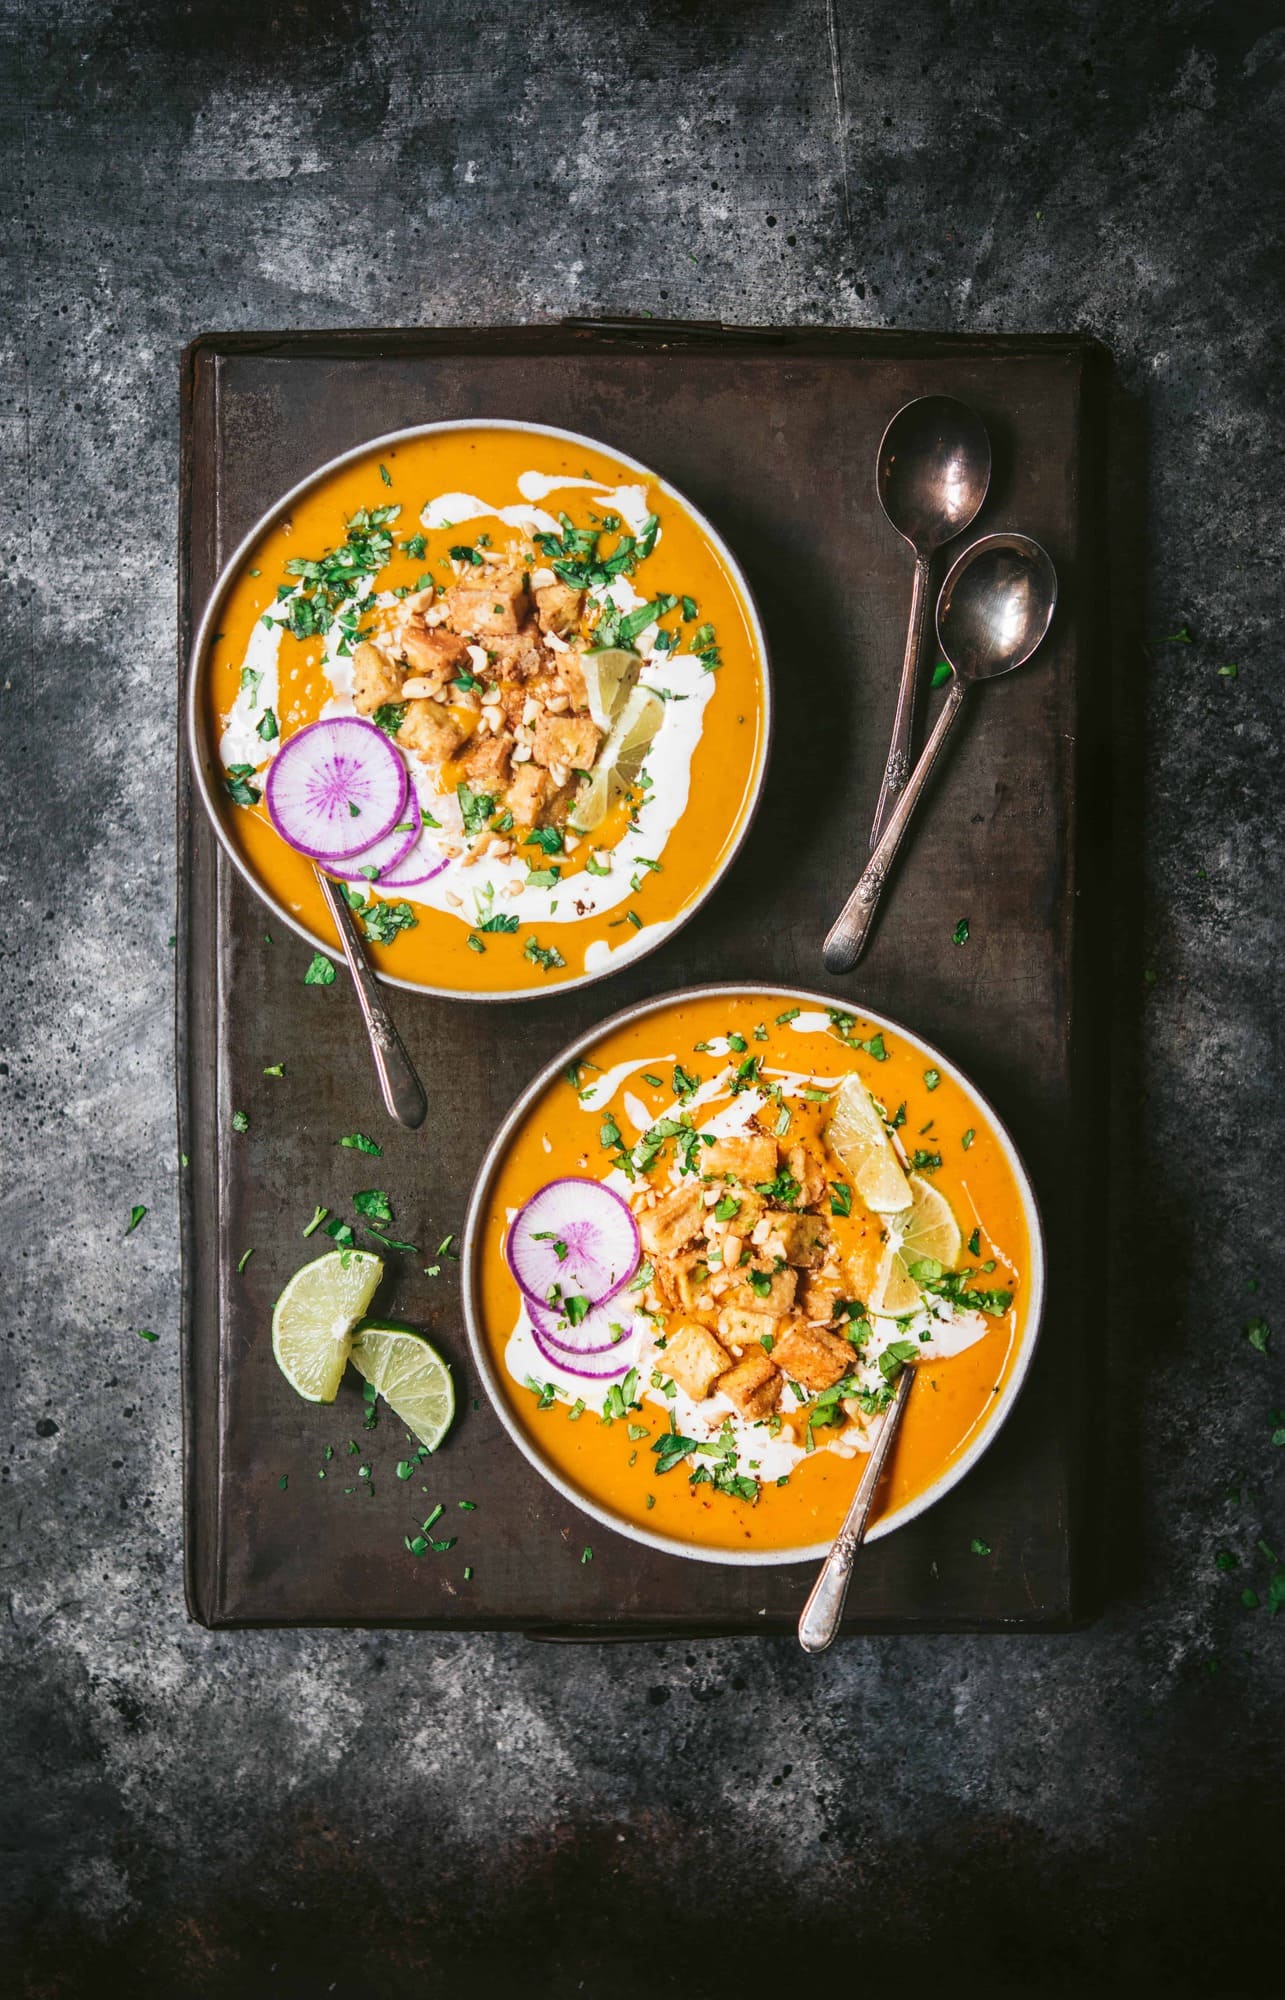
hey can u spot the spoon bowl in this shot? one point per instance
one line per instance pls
(931, 475)
(933, 470)
(996, 606)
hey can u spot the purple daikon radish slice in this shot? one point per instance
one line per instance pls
(377, 863)
(576, 1234)
(593, 1367)
(421, 864)
(599, 1329)
(336, 787)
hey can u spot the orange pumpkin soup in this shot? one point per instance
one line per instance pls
(706, 1252)
(563, 656)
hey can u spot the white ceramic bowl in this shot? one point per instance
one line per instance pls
(204, 755)
(471, 1251)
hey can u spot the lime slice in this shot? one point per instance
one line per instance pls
(312, 1321)
(927, 1229)
(607, 677)
(411, 1377)
(858, 1135)
(620, 758)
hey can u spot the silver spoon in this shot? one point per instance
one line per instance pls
(933, 469)
(402, 1090)
(819, 1619)
(995, 607)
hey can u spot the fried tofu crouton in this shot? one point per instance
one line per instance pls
(695, 1360)
(431, 731)
(558, 608)
(674, 1222)
(687, 1276)
(486, 764)
(811, 1356)
(527, 794)
(802, 1238)
(747, 1160)
(435, 654)
(776, 1297)
(753, 1385)
(494, 601)
(809, 1173)
(569, 740)
(739, 1329)
(376, 680)
(819, 1299)
(571, 674)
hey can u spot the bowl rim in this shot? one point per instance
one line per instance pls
(202, 753)
(470, 1252)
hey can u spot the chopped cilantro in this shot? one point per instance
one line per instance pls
(321, 972)
(136, 1215)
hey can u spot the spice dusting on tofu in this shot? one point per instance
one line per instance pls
(566, 669)
(744, 1256)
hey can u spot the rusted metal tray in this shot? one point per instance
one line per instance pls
(773, 434)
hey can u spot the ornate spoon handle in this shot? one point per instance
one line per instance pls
(897, 770)
(851, 929)
(402, 1090)
(819, 1622)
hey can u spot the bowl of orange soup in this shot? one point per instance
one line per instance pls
(706, 1241)
(567, 664)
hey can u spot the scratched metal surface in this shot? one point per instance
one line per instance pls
(999, 844)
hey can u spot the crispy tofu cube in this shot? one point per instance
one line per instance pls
(486, 765)
(527, 794)
(376, 680)
(808, 1172)
(803, 1238)
(862, 1258)
(739, 1329)
(777, 1298)
(517, 655)
(747, 1160)
(436, 654)
(431, 731)
(753, 1385)
(695, 1360)
(571, 674)
(676, 1221)
(569, 740)
(819, 1299)
(811, 1356)
(493, 600)
(558, 608)
(687, 1276)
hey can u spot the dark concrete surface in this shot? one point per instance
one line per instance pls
(304, 1813)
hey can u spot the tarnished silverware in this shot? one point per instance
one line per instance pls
(995, 607)
(402, 1090)
(819, 1619)
(933, 469)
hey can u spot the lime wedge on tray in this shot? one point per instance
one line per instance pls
(858, 1135)
(926, 1229)
(411, 1377)
(313, 1320)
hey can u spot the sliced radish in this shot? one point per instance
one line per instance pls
(576, 1234)
(383, 858)
(336, 787)
(597, 1367)
(421, 864)
(597, 1333)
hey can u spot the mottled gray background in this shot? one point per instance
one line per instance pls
(271, 1813)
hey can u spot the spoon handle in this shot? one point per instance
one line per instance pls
(402, 1090)
(897, 769)
(819, 1620)
(851, 928)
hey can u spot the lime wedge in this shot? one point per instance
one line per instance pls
(858, 1135)
(312, 1321)
(620, 758)
(927, 1229)
(607, 677)
(411, 1377)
